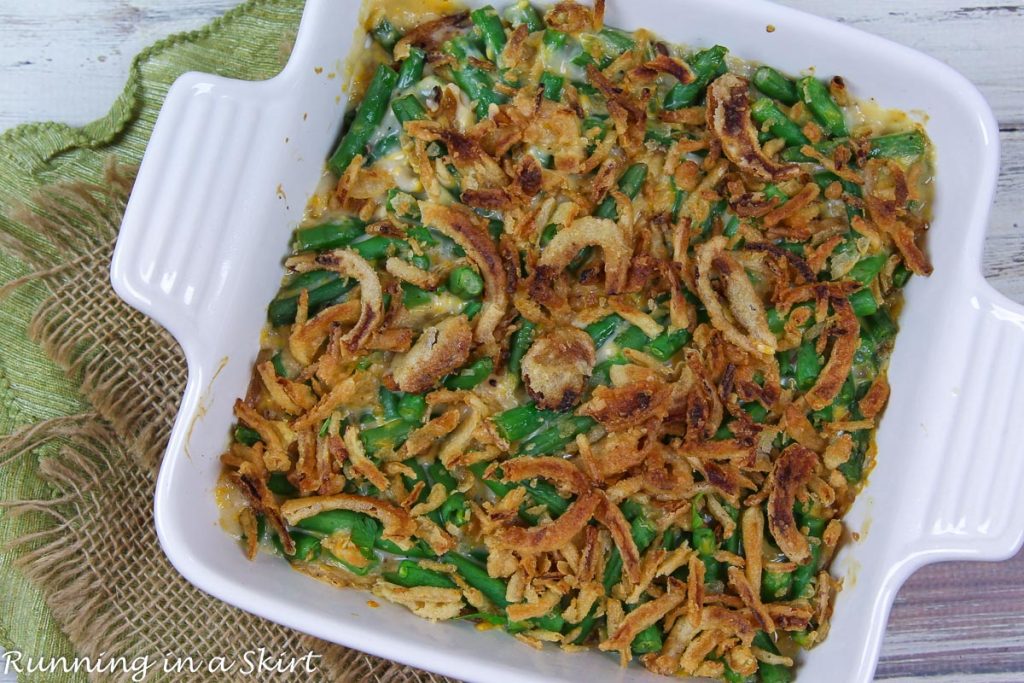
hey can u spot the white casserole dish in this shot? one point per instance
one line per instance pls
(227, 175)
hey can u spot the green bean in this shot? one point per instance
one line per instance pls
(589, 622)
(498, 488)
(477, 577)
(632, 338)
(282, 311)
(776, 323)
(865, 270)
(411, 69)
(732, 544)
(524, 13)
(389, 435)
(775, 85)
(603, 330)
(411, 408)
(706, 65)
(643, 531)
(629, 184)
(665, 345)
(489, 23)
(386, 34)
(808, 366)
(364, 531)
(246, 436)
(419, 549)
(553, 621)
(648, 640)
(422, 235)
(368, 117)
(776, 585)
(554, 438)
(516, 423)
(631, 509)
(552, 85)
(816, 96)
(901, 276)
(410, 574)
(473, 80)
(613, 44)
(704, 541)
(384, 147)
(408, 108)
(471, 375)
(781, 126)
(803, 574)
(863, 302)
(546, 494)
(388, 402)
(307, 548)
(454, 509)
(376, 247)
(329, 235)
(824, 179)
(757, 412)
(521, 341)
(897, 145)
(732, 227)
(278, 483)
(774, 673)
(853, 468)
(414, 297)
(602, 371)
(733, 677)
(465, 283)
(772, 191)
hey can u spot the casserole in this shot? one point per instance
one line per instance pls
(194, 284)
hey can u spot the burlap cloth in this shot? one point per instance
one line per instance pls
(89, 388)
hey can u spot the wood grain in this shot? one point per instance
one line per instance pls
(961, 622)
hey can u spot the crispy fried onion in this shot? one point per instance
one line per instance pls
(586, 232)
(428, 602)
(406, 271)
(728, 116)
(611, 517)
(253, 486)
(886, 194)
(558, 470)
(398, 524)
(553, 535)
(371, 296)
(745, 307)
(643, 616)
(628, 405)
(439, 350)
(793, 469)
(305, 339)
(557, 366)
(470, 232)
(846, 330)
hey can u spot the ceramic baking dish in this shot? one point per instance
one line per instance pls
(226, 178)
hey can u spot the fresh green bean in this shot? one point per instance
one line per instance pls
(648, 640)
(282, 310)
(603, 330)
(524, 13)
(414, 297)
(775, 85)
(368, 116)
(629, 184)
(897, 145)
(816, 96)
(665, 345)
(410, 574)
(454, 509)
(865, 270)
(278, 483)
(388, 402)
(706, 65)
(776, 585)
(489, 23)
(863, 302)
(521, 421)
(386, 34)
(901, 276)
(389, 435)
(774, 673)
(411, 69)
(552, 85)
(554, 438)
(521, 341)
(330, 235)
(408, 108)
(246, 436)
(808, 366)
(307, 548)
(465, 283)
(764, 112)
(477, 577)
(471, 308)
(803, 574)
(376, 247)
(412, 407)
(471, 375)
(632, 338)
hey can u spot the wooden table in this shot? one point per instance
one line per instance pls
(951, 622)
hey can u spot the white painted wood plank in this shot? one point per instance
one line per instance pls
(982, 40)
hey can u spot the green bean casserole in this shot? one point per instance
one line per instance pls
(585, 337)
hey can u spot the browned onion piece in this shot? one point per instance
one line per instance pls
(557, 366)
(589, 232)
(792, 470)
(438, 351)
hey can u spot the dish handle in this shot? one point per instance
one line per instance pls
(975, 512)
